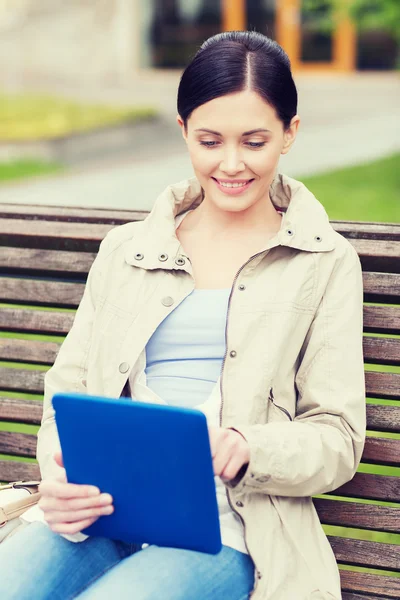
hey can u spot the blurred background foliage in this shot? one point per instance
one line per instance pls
(32, 117)
(366, 14)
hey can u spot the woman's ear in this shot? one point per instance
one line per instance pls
(182, 126)
(290, 134)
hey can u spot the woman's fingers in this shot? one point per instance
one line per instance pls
(58, 458)
(71, 528)
(58, 489)
(78, 515)
(51, 503)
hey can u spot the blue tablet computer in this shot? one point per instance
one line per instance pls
(155, 460)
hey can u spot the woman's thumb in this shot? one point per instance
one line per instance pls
(58, 458)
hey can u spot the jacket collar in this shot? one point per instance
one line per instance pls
(305, 224)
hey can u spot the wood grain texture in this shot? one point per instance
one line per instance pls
(22, 380)
(28, 212)
(46, 262)
(43, 293)
(371, 487)
(28, 351)
(355, 596)
(21, 411)
(52, 235)
(11, 470)
(381, 585)
(18, 444)
(381, 287)
(378, 255)
(383, 418)
(363, 516)
(35, 321)
(383, 385)
(382, 451)
(363, 553)
(367, 230)
(382, 319)
(382, 351)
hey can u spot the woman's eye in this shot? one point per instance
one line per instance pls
(256, 144)
(209, 144)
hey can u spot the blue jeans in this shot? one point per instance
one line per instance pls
(37, 564)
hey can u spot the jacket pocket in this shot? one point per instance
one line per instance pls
(283, 411)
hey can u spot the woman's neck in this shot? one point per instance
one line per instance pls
(211, 222)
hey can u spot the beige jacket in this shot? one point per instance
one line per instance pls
(292, 381)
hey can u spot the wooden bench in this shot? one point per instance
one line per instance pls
(45, 254)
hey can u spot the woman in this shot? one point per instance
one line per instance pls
(237, 297)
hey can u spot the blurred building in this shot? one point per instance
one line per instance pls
(108, 42)
(171, 31)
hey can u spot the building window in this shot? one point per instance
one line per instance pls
(173, 30)
(316, 34)
(261, 15)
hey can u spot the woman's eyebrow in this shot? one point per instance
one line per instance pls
(259, 130)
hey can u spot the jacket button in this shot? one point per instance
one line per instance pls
(289, 231)
(124, 367)
(232, 353)
(240, 504)
(242, 287)
(180, 261)
(318, 238)
(259, 575)
(167, 301)
(163, 257)
(139, 256)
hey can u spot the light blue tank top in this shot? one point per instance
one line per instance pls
(185, 353)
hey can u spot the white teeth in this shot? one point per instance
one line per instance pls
(232, 185)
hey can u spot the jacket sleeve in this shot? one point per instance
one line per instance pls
(68, 374)
(321, 448)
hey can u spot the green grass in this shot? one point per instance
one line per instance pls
(20, 169)
(32, 117)
(369, 192)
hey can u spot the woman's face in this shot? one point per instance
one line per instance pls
(234, 143)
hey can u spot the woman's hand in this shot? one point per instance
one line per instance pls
(229, 450)
(69, 507)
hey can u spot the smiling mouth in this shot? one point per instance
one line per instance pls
(232, 183)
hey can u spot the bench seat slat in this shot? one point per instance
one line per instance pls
(377, 319)
(18, 444)
(364, 553)
(371, 487)
(369, 583)
(359, 516)
(86, 215)
(382, 319)
(52, 234)
(29, 351)
(353, 596)
(44, 293)
(383, 385)
(383, 418)
(22, 380)
(36, 321)
(378, 255)
(383, 351)
(26, 260)
(21, 411)
(381, 287)
(12, 470)
(382, 451)
(379, 418)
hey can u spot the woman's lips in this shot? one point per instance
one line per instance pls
(233, 191)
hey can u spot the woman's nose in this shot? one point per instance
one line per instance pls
(232, 163)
